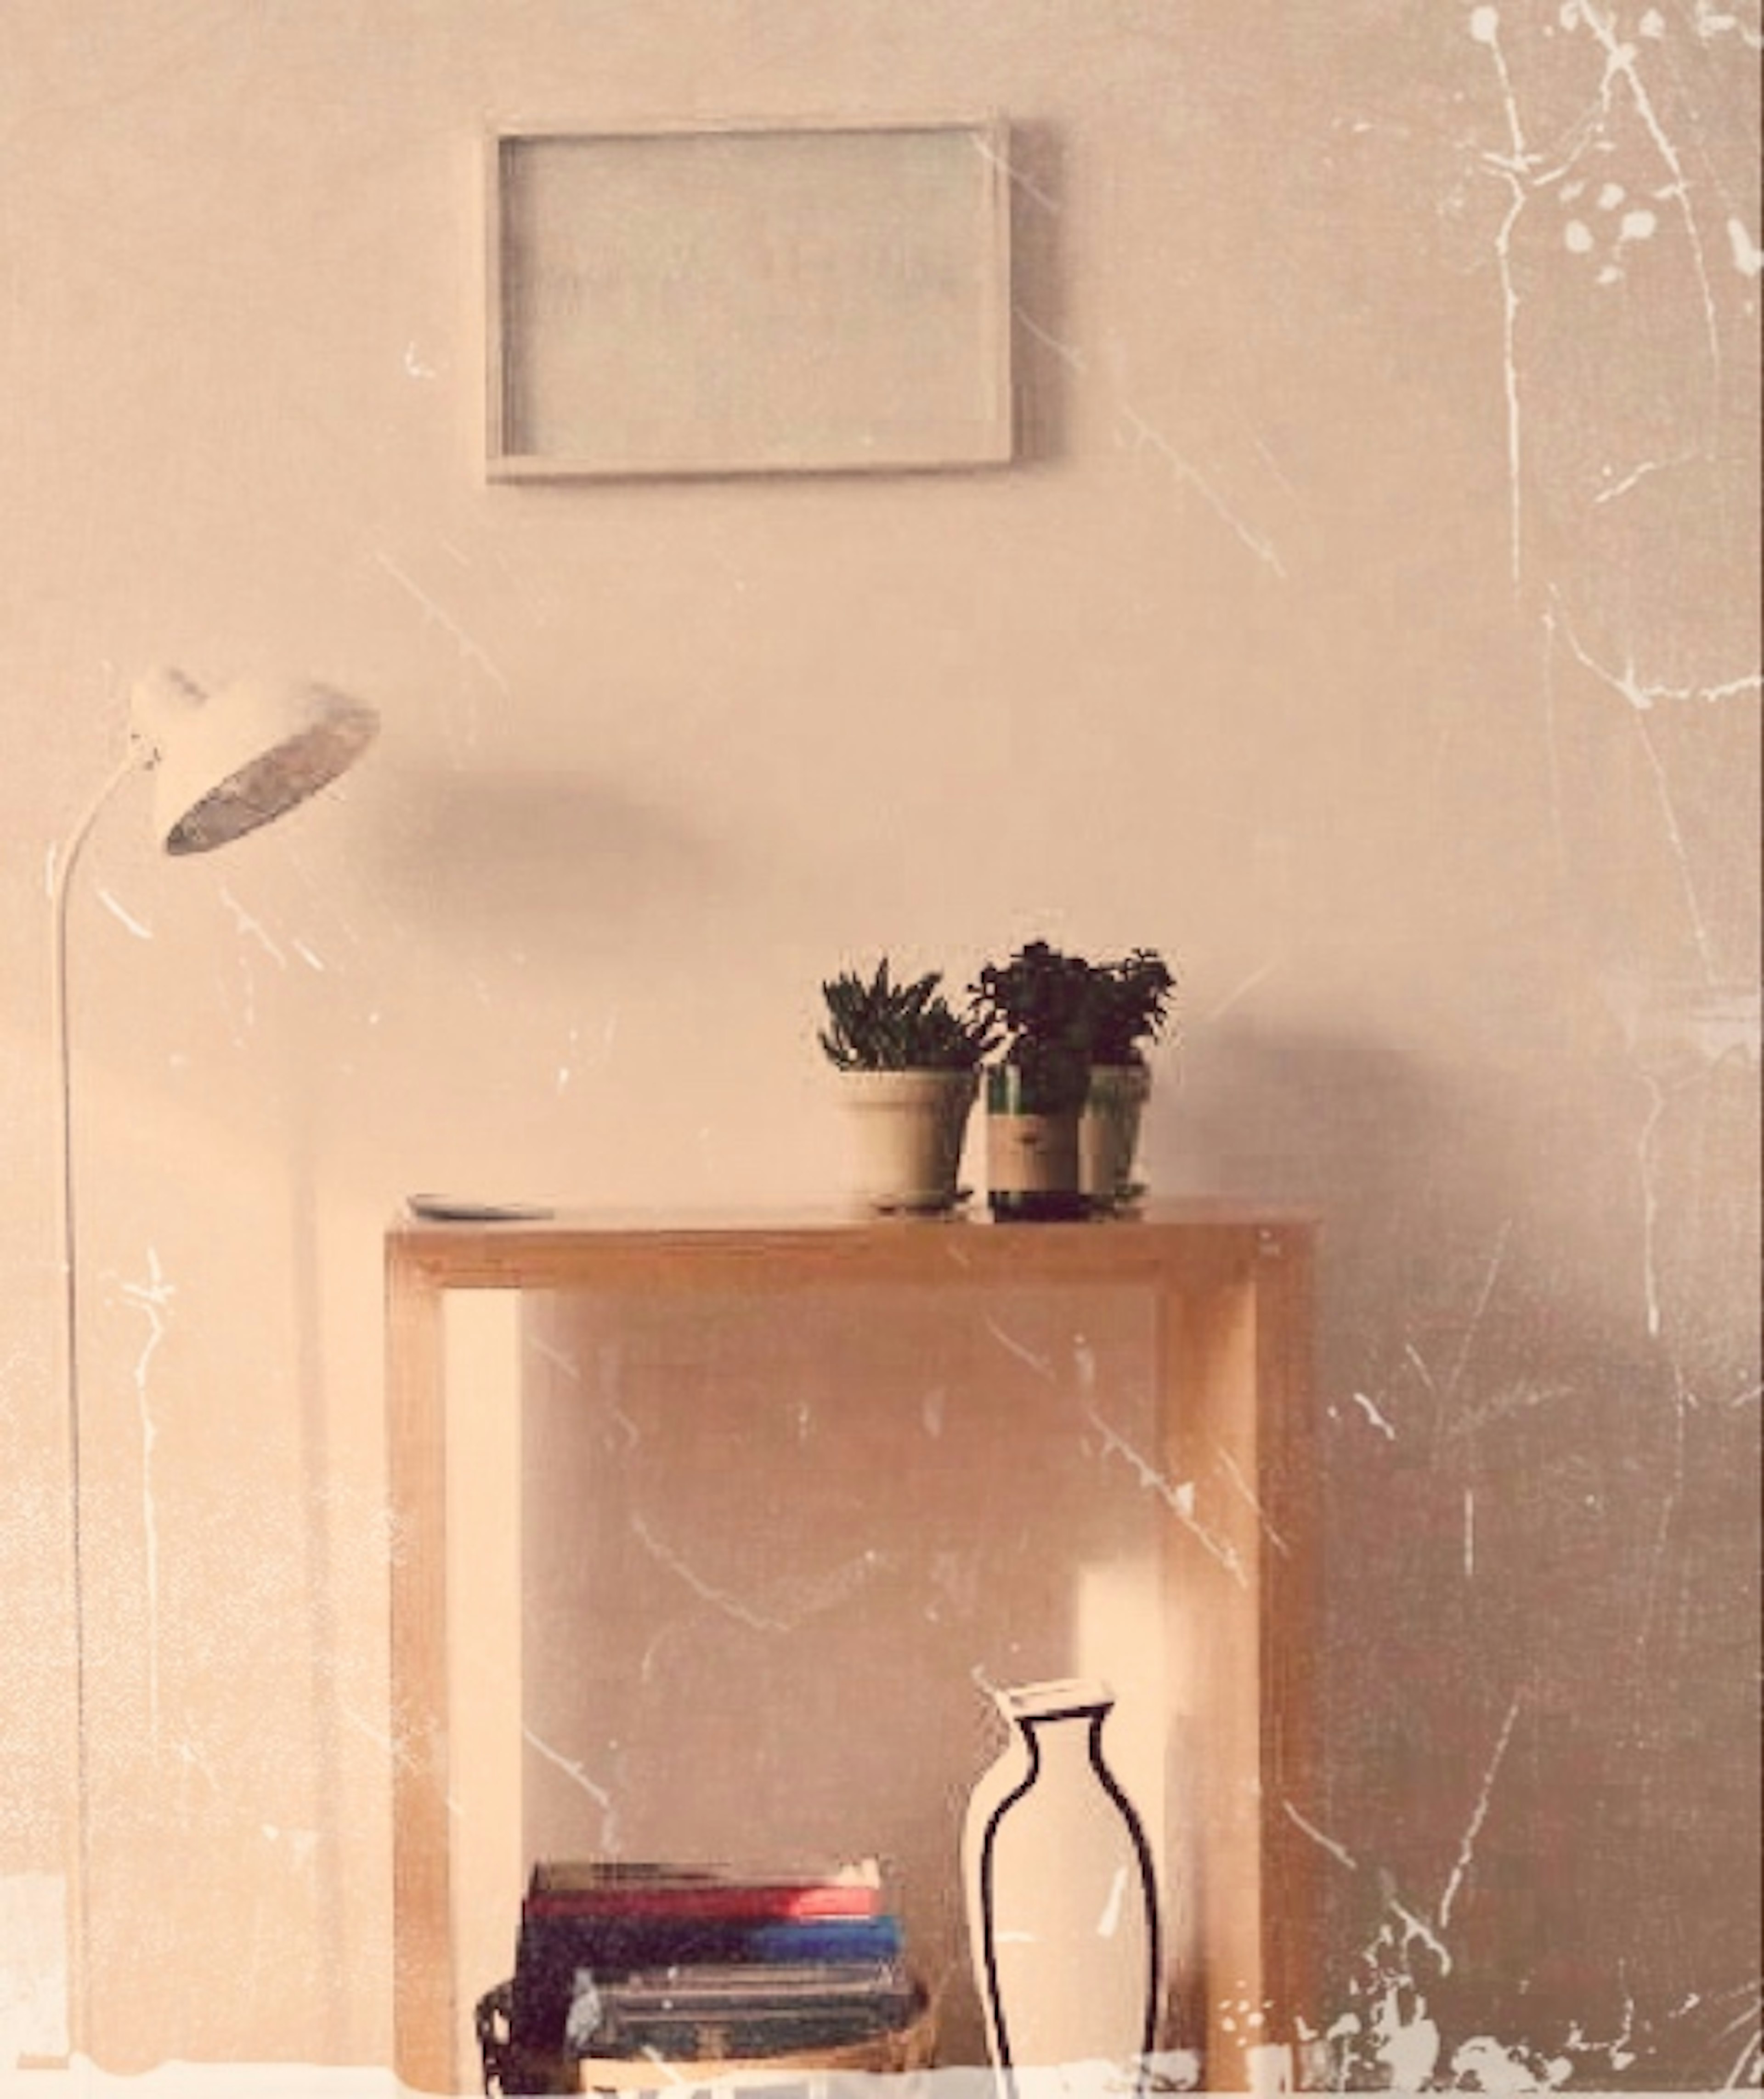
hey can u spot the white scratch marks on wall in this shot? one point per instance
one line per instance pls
(577, 1774)
(253, 928)
(1645, 1165)
(124, 919)
(1644, 471)
(1338, 1852)
(1479, 1815)
(1145, 436)
(1628, 682)
(1015, 176)
(1680, 853)
(1497, 1260)
(1038, 1364)
(1233, 1473)
(784, 1606)
(1514, 168)
(1065, 352)
(1242, 990)
(558, 1359)
(721, 1599)
(1178, 1496)
(1470, 1534)
(469, 651)
(153, 1299)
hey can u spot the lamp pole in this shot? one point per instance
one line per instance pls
(227, 764)
(79, 1981)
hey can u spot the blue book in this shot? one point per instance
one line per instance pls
(552, 1950)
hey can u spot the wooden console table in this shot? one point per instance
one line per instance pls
(1227, 1296)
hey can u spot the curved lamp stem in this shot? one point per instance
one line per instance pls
(79, 2002)
(225, 766)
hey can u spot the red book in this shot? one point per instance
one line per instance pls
(614, 1888)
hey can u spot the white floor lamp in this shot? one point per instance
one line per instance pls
(223, 765)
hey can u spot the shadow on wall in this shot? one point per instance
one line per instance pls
(491, 857)
(1539, 1779)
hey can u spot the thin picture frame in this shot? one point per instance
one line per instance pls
(798, 298)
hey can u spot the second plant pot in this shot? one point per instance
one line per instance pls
(1033, 1160)
(1108, 1135)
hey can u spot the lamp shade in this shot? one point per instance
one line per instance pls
(227, 762)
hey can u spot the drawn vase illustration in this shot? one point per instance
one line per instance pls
(1062, 1898)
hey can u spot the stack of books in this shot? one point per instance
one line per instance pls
(694, 1963)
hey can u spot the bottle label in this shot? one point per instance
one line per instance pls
(1030, 1155)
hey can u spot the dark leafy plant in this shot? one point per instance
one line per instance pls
(882, 1026)
(1039, 1002)
(1129, 1004)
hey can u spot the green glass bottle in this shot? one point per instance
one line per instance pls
(1032, 1172)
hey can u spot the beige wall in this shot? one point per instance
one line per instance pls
(1372, 622)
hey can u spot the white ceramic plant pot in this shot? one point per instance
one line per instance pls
(1108, 1135)
(907, 1129)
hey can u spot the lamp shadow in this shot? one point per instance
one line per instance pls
(537, 857)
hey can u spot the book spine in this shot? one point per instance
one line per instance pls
(552, 1951)
(740, 1903)
(618, 1944)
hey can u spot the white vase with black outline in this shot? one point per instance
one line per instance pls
(1061, 1894)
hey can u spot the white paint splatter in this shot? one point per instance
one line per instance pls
(1484, 2064)
(1370, 1407)
(1408, 2044)
(1109, 1922)
(1748, 256)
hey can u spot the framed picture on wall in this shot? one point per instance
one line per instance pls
(748, 299)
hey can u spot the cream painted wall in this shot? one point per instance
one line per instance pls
(1371, 620)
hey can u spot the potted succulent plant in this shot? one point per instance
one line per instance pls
(910, 1069)
(1040, 1003)
(1129, 1004)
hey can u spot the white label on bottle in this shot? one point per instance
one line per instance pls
(1027, 1155)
